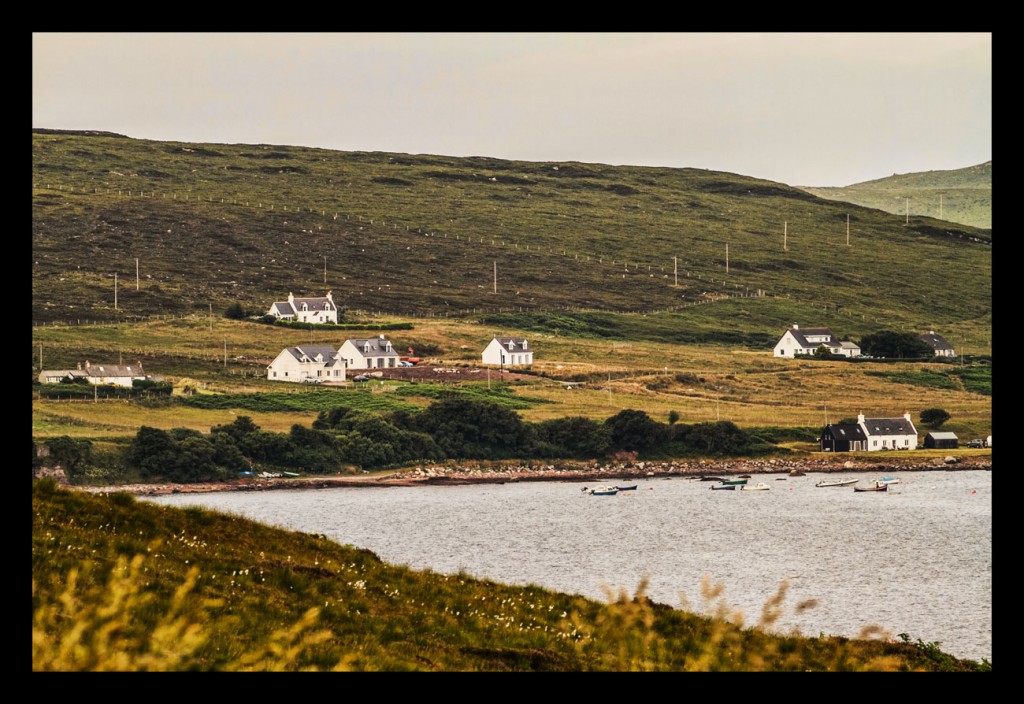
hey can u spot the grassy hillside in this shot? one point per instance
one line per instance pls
(403, 234)
(959, 195)
(121, 585)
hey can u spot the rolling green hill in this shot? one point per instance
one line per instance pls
(126, 228)
(959, 195)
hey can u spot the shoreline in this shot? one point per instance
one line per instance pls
(501, 473)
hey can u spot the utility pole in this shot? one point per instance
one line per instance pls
(785, 232)
(136, 273)
(225, 351)
(325, 270)
(726, 257)
(115, 290)
(211, 317)
(675, 269)
(847, 229)
(908, 212)
(495, 275)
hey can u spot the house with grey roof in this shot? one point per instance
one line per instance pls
(369, 353)
(508, 352)
(940, 346)
(870, 434)
(310, 364)
(101, 373)
(796, 341)
(306, 310)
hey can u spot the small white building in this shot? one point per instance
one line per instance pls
(796, 341)
(307, 364)
(508, 352)
(369, 353)
(940, 346)
(116, 374)
(306, 310)
(889, 433)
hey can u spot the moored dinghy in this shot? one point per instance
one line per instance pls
(760, 486)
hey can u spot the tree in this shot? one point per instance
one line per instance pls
(934, 417)
(635, 430)
(673, 417)
(889, 343)
(235, 311)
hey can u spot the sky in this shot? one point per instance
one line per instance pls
(804, 108)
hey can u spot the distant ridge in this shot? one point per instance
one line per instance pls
(962, 196)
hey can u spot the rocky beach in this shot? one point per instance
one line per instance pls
(498, 473)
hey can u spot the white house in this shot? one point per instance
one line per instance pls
(306, 310)
(797, 340)
(940, 346)
(116, 374)
(369, 353)
(870, 434)
(508, 352)
(309, 364)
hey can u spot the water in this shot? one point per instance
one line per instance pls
(916, 559)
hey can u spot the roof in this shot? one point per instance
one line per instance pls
(95, 370)
(942, 435)
(846, 431)
(317, 303)
(378, 347)
(846, 344)
(516, 342)
(282, 308)
(311, 351)
(889, 426)
(937, 342)
(801, 334)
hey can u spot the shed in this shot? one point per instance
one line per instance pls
(941, 440)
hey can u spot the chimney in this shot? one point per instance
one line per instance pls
(795, 326)
(291, 298)
(382, 336)
(80, 366)
(328, 297)
(860, 417)
(907, 416)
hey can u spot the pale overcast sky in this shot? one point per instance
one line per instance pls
(811, 109)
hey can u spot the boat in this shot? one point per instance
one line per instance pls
(837, 482)
(744, 476)
(604, 491)
(876, 486)
(631, 487)
(291, 474)
(889, 480)
(760, 486)
(737, 482)
(724, 486)
(711, 479)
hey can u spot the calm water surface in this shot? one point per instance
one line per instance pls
(916, 559)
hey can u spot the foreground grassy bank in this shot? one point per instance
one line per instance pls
(121, 585)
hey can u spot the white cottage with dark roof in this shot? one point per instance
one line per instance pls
(940, 346)
(307, 364)
(369, 353)
(796, 341)
(508, 352)
(306, 310)
(870, 434)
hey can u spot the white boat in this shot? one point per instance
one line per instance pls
(604, 491)
(760, 486)
(888, 480)
(837, 482)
